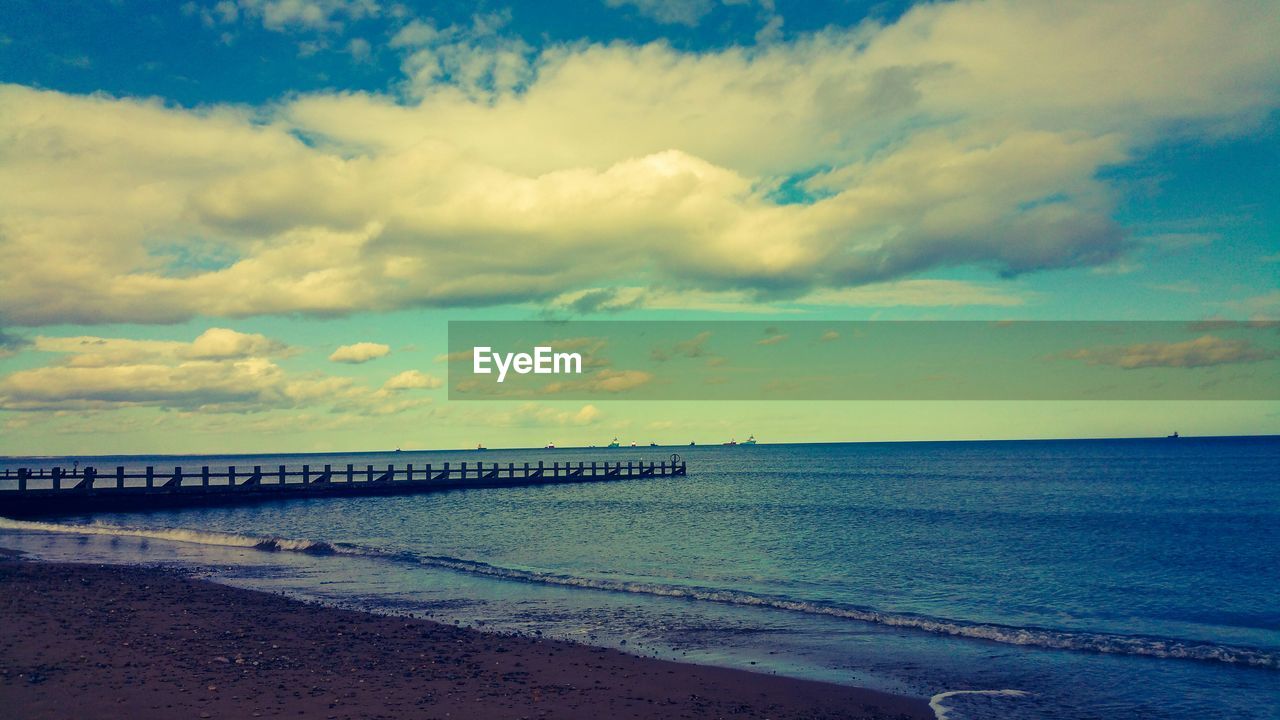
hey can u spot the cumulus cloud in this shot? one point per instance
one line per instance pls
(536, 415)
(220, 371)
(602, 381)
(287, 15)
(682, 12)
(413, 380)
(1204, 351)
(961, 134)
(222, 343)
(773, 338)
(361, 352)
(691, 12)
(694, 347)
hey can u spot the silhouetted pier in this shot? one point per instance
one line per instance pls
(59, 491)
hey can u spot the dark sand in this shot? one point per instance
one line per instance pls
(86, 641)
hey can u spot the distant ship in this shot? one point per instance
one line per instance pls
(692, 443)
(633, 443)
(653, 444)
(732, 442)
(550, 446)
(481, 447)
(1174, 436)
(750, 441)
(614, 444)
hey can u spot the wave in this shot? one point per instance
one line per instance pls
(199, 537)
(1107, 643)
(940, 710)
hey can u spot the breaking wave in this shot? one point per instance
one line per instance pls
(1011, 635)
(941, 711)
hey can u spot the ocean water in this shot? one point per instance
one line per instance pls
(1030, 579)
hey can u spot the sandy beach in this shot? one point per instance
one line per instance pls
(90, 641)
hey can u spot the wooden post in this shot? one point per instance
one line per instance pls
(351, 473)
(231, 476)
(511, 471)
(369, 472)
(57, 478)
(281, 474)
(23, 474)
(526, 471)
(119, 476)
(428, 472)
(151, 477)
(204, 476)
(306, 474)
(408, 472)
(464, 472)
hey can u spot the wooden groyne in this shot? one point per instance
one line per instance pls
(58, 491)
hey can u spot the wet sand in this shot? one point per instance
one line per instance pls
(89, 641)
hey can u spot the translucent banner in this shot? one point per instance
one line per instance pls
(863, 360)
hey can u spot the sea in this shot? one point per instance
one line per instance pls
(1135, 578)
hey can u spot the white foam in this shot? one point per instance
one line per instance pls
(199, 537)
(940, 710)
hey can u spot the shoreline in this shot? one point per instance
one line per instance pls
(108, 641)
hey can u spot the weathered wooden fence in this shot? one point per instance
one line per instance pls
(61, 491)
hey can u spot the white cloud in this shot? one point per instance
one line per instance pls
(537, 415)
(412, 380)
(359, 352)
(1204, 351)
(963, 134)
(681, 12)
(692, 12)
(220, 371)
(285, 15)
(222, 343)
(898, 293)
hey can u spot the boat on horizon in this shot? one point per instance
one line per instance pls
(480, 446)
(614, 444)
(1174, 436)
(750, 441)
(549, 446)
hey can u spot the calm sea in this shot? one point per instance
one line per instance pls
(1062, 579)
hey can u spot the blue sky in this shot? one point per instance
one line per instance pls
(321, 173)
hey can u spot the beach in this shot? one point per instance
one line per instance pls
(102, 641)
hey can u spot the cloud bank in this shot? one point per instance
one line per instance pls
(963, 134)
(221, 371)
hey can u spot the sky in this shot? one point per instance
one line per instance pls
(244, 225)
